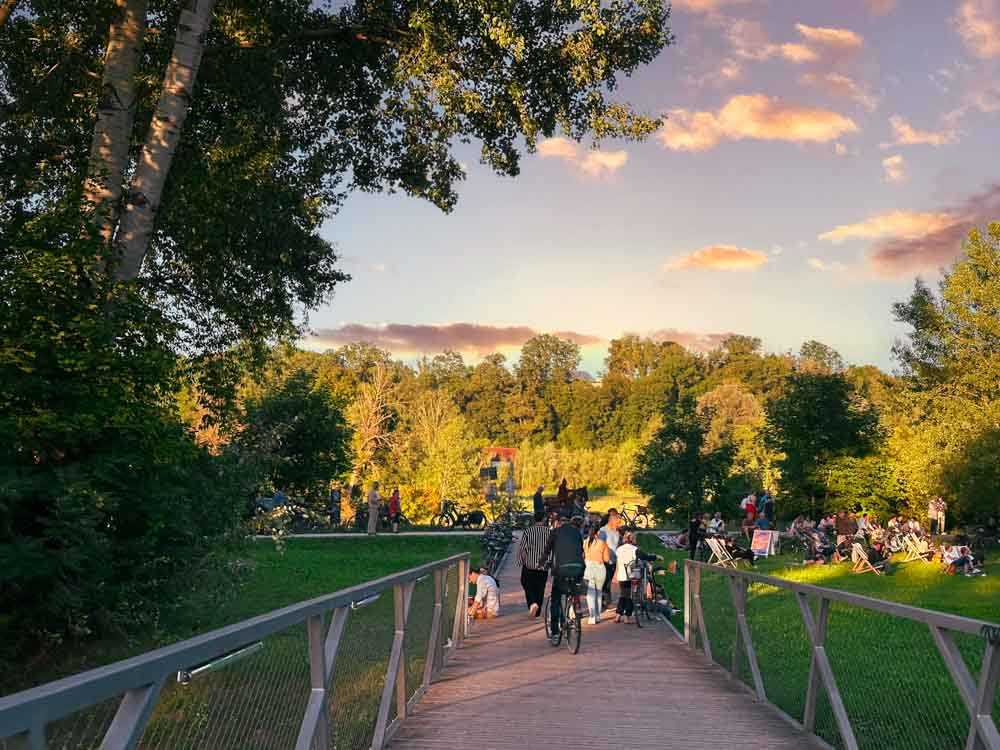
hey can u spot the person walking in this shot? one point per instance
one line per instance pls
(531, 555)
(395, 508)
(628, 553)
(564, 550)
(374, 506)
(694, 534)
(611, 536)
(596, 556)
(538, 501)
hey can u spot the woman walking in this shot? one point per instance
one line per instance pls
(595, 555)
(627, 554)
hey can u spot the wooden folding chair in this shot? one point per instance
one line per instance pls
(913, 549)
(720, 554)
(861, 562)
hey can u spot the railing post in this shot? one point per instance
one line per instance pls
(461, 585)
(699, 615)
(983, 731)
(738, 590)
(433, 650)
(820, 665)
(397, 666)
(687, 604)
(130, 718)
(315, 727)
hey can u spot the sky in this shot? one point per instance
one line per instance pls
(815, 158)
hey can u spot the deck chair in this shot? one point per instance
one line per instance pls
(861, 562)
(720, 555)
(913, 552)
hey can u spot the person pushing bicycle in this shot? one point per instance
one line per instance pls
(564, 550)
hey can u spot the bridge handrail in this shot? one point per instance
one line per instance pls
(139, 679)
(977, 695)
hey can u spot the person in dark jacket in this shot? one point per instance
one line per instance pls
(564, 550)
(538, 501)
(694, 534)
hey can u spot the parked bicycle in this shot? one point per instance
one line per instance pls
(384, 522)
(451, 517)
(636, 517)
(649, 598)
(495, 542)
(570, 629)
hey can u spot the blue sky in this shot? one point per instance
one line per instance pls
(785, 121)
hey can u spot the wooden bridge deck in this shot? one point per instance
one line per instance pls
(507, 688)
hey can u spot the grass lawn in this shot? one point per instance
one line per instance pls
(258, 701)
(893, 682)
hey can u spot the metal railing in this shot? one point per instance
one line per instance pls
(851, 670)
(338, 672)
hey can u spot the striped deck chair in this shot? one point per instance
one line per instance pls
(913, 552)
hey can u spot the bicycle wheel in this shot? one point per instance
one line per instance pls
(643, 521)
(571, 625)
(638, 602)
(553, 637)
(443, 522)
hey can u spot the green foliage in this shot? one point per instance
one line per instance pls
(105, 499)
(677, 467)
(814, 421)
(297, 435)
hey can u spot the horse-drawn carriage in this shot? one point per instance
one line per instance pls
(569, 503)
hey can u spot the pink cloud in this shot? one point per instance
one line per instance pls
(425, 339)
(719, 258)
(844, 39)
(837, 84)
(917, 241)
(881, 7)
(895, 168)
(753, 116)
(698, 342)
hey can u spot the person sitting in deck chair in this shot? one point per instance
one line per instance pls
(878, 558)
(486, 605)
(737, 552)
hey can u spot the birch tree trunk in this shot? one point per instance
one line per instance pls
(115, 115)
(146, 188)
(6, 8)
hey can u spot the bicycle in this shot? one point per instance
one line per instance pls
(638, 518)
(571, 625)
(450, 516)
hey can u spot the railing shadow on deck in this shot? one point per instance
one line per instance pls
(339, 671)
(852, 670)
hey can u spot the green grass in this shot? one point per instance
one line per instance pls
(258, 701)
(893, 682)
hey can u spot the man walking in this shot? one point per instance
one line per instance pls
(565, 546)
(374, 506)
(538, 501)
(531, 554)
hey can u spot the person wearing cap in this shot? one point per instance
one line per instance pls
(564, 550)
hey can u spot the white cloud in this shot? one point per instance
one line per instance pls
(820, 265)
(904, 134)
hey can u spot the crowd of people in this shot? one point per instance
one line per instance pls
(599, 554)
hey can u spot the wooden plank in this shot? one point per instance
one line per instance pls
(706, 646)
(507, 665)
(402, 596)
(396, 663)
(432, 657)
(315, 726)
(333, 636)
(819, 636)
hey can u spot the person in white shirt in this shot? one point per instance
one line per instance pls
(374, 506)
(609, 533)
(717, 525)
(628, 553)
(956, 561)
(487, 601)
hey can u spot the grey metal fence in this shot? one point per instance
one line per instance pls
(339, 672)
(854, 671)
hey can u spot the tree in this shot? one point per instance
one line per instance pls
(372, 418)
(677, 469)
(251, 123)
(817, 356)
(814, 421)
(944, 439)
(298, 434)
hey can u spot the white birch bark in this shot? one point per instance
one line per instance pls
(115, 116)
(146, 187)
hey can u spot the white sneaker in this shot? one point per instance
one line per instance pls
(533, 609)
